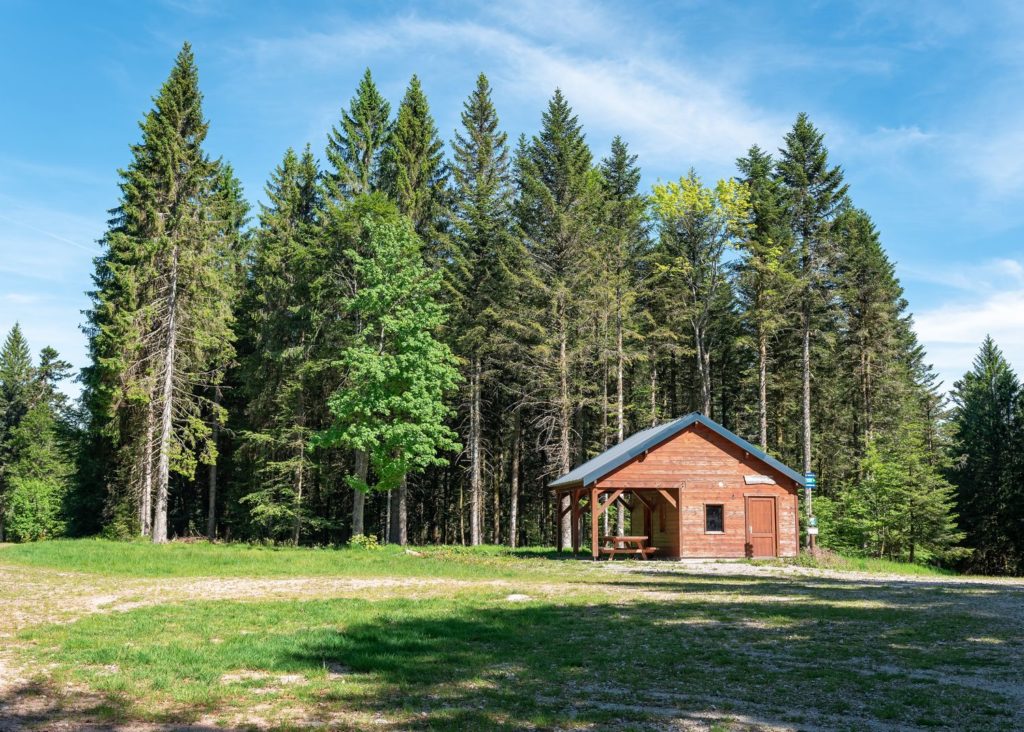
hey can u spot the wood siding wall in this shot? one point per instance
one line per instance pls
(711, 470)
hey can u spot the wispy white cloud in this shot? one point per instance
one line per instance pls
(986, 298)
(21, 298)
(980, 277)
(664, 107)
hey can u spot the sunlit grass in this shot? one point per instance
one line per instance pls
(202, 559)
(479, 661)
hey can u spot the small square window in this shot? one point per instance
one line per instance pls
(714, 518)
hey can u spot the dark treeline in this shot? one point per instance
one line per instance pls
(407, 344)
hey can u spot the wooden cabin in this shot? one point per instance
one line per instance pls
(692, 488)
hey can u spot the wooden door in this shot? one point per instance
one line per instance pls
(761, 529)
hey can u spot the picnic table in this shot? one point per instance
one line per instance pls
(634, 545)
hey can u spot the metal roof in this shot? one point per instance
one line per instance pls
(634, 445)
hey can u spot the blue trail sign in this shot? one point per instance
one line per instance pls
(810, 481)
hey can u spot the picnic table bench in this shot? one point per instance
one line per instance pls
(633, 545)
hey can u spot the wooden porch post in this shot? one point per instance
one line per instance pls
(593, 522)
(679, 517)
(575, 516)
(558, 521)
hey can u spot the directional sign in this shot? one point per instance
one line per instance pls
(811, 480)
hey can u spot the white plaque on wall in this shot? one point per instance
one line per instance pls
(758, 480)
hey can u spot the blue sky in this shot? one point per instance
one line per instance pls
(920, 103)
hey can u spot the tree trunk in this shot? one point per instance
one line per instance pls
(300, 474)
(476, 491)
(496, 518)
(806, 408)
(163, 471)
(146, 500)
(654, 392)
(762, 387)
(211, 505)
(399, 517)
(605, 431)
(358, 497)
(564, 431)
(513, 498)
(704, 369)
(462, 513)
(620, 367)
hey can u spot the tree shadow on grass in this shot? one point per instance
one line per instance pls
(742, 652)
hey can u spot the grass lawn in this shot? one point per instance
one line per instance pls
(487, 640)
(201, 559)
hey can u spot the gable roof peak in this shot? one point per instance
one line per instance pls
(639, 442)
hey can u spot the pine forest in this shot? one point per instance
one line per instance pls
(415, 333)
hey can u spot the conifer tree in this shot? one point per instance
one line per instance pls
(902, 508)
(16, 377)
(987, 429)
(558, 208)
(160, 326)
(38, 475)
(356, 145)
(814, 194)
(624, 245)
(874, 342)
(415, 176)
(277, 369)
(36, 444)
(765, 276)
(489, 254)
(620, 249)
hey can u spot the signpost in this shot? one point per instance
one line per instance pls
(810, 483)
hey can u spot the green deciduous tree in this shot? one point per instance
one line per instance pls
(397, 374)
(698, 225)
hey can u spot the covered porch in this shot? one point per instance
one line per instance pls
(654, 528)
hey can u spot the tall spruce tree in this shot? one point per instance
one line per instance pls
(766, 269)
(814, 194)
(415, 176)
(280, 347)
(620, 249)
(16, 378)
(160, 326)
(36, 442)
(356, 145)
(987, 428)
(558, 208)
(875, 343)
(489, 255)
